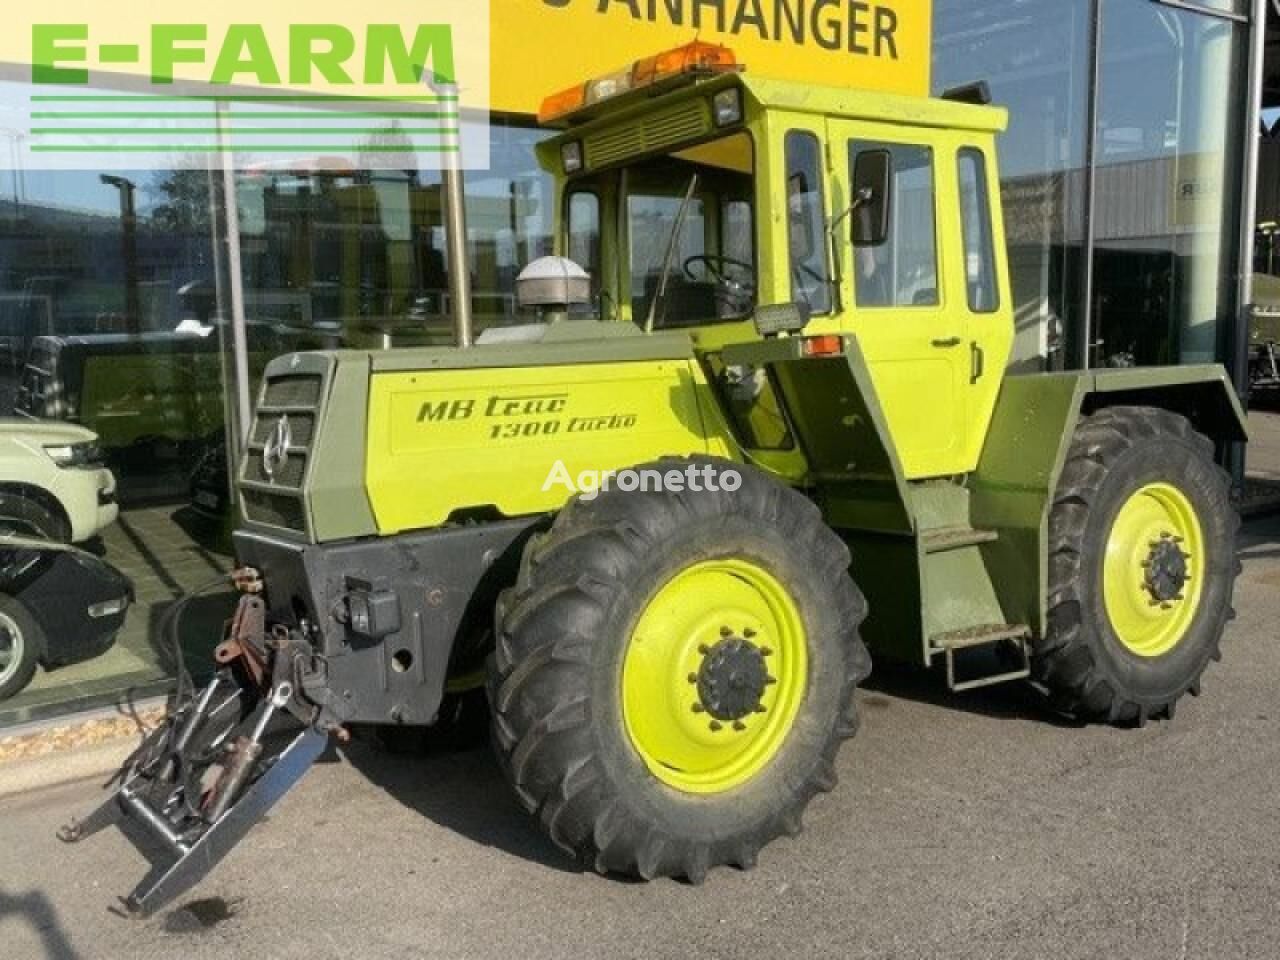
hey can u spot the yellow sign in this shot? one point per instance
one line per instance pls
(542, 46)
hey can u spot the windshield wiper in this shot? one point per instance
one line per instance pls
(671, 252)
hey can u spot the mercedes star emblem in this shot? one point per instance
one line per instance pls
(275, 454)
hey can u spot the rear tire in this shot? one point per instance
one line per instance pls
(1141, 570)
(21, 646)
(574, 715)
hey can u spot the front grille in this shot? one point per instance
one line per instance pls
(274, 474)
(301, 427)
(275, 511)
(288, 475)
(295, 390)
(683, 122)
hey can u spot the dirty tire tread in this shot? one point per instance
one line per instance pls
(1066, 661)
(545, 734)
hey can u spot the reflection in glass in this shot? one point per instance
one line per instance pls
(1034, 54)
(344, 255)
(1168, 160)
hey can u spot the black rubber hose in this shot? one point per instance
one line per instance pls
(168, 630)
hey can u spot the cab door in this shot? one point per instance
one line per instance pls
(896, 299)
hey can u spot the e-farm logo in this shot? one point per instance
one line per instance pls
(335, 95)
(244, 54)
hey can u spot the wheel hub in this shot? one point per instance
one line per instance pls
(732, 680)
(1167, 572)
(1154, 569)
(11, 651)
(714, 675)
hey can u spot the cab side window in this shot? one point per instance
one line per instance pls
(806, 223)
(975, 219)
(583, 221)
(903, 270)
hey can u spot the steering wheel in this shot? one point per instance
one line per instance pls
(716, 265)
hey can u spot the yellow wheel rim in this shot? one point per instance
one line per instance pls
(713, 677)
(1153, 574)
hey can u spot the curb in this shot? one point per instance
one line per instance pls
(56, 753)
(61, 769)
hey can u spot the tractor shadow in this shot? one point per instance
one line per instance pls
(463, 791)
(1014, 700)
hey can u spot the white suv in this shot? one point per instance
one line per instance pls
(52, 482)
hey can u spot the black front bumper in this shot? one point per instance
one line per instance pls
(390, 618)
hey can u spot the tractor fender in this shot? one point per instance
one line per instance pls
(1031, 431)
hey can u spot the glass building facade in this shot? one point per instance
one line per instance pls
(1123, 177)
(1124, 169)
(113, 299)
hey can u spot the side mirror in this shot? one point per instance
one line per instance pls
(872, 197)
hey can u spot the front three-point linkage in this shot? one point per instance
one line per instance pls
(220, 761)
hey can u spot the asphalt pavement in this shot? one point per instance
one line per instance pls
(965, 826)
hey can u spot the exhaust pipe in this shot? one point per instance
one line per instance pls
(455, 223)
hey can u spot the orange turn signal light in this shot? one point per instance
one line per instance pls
(828, 345)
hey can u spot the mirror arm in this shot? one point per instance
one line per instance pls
(837, 275)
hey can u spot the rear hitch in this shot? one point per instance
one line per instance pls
(201, 781)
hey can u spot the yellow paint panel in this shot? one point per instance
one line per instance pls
(448, 440)
(540, 47)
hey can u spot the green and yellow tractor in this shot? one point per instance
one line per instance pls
(760, 433)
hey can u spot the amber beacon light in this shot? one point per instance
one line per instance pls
(696, 57)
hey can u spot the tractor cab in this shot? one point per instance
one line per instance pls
(695, 193)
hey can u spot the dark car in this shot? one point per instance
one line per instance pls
(211, 480)
(58, 606)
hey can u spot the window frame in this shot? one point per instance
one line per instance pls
(712, 220)
(830, 279)
(860, 144)
(986, 227)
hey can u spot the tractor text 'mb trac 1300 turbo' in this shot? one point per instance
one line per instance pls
(791, 305)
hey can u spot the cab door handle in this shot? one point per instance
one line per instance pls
(977, 362)
(948, 343)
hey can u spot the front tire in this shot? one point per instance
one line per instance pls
(675, 672)
(1142, 567)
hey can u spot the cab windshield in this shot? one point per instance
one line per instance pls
(688, 252)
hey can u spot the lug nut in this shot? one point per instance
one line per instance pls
(716, 726)
(739, 725)
(748, 633)
(693, 678)
(766, 651)
(699, 708)
(703, 649)
(770, 680)
(726, 632)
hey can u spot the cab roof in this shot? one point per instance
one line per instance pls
(772, 94)
(853, 103)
